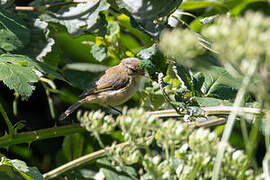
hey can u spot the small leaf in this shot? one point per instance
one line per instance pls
(14, 35)
(98, 52)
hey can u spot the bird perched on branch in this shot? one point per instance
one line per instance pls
(117, 85)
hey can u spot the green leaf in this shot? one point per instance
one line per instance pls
(29, 173)
(98, 52)
(219, 83)
(193, 5)
(87, 67)
(14, 35)
(153, 60)
(144, 12)
(17, 71)
(110, 172)
(17, 77)
(207, 102)
(73, 146)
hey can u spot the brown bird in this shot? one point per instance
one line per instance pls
(117, 85)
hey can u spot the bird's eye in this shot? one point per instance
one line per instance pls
(133, 70)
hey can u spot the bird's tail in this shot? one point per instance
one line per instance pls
(71, 109)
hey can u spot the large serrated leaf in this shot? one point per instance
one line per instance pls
(14, 34)
(17, 77)
(18, 72)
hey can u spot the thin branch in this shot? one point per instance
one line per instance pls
(48, 6)
(28, 137)
(231, 119)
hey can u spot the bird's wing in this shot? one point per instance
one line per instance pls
(112, 79)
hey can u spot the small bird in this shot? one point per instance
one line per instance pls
(117, 85)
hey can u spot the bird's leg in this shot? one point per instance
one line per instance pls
(120, 112)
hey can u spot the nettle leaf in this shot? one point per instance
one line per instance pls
(17, 77)
(144, 12)
(153, 61)
(18, 73)
(84, 17)
(14, 34)
(219, 83)
(29, 173)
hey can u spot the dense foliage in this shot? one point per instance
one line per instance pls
(203, 112)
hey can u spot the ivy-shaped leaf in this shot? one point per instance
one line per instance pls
(144, 12)
(84, 18)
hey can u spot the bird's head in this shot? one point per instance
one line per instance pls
(133, 66)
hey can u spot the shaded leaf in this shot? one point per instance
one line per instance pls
(14, 35)
(219, 83)
(110, 172)
(29, 173)
(144, 12)
(73, 146)
(153, 60)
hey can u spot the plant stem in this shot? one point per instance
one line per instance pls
(28, 137)
(231, 119)
(11, 130)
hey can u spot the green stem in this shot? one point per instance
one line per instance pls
(28, 137)
(15, 104)
(231, 119)
(11, 130)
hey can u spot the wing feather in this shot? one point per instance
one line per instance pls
(114, 78)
